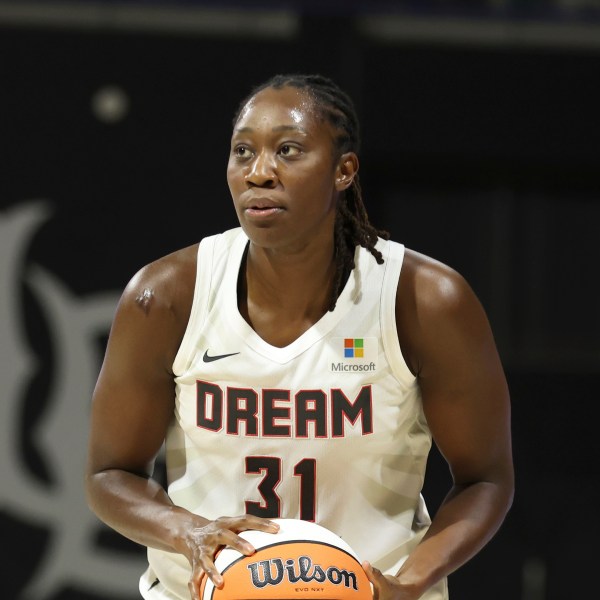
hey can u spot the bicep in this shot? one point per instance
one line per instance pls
(464, 389)
(133, 398)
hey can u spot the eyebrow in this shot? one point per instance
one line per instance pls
(274, 129)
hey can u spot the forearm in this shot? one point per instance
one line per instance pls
(140, 509)
(464, 523)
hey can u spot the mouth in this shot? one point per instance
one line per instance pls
(262, 204)
(266, 211)
(262, 207)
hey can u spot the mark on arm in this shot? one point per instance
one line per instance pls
(143, 300)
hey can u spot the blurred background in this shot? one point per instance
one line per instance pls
(481, 147)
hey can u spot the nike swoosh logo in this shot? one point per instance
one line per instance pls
(207, 358)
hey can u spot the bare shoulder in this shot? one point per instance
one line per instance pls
(434, 302)
(154, 308)
(165, 284)
(430, 285)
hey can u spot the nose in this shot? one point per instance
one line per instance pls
(262, 171)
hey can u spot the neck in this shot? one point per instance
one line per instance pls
(301, 282)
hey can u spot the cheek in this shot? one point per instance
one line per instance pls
(234, 177)
(322, 183)
(317, 199)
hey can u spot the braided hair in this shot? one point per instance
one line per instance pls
(352, 225)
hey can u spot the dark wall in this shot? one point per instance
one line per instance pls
(483, 157)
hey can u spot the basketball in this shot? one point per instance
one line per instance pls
(302, 560)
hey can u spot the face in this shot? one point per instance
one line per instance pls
(282, 172)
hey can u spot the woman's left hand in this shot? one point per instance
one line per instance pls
(388, 587)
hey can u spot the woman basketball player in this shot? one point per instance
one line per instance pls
(299, 366)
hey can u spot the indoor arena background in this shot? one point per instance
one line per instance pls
(481, 148)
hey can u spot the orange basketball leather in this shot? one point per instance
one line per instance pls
(303, 561)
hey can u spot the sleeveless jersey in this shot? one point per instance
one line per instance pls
(328, 429)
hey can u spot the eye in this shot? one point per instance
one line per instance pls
(242, 152)
(289, 150)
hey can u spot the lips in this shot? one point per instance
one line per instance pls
(261, 204)
(262, 213)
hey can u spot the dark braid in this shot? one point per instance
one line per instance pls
(352, 225)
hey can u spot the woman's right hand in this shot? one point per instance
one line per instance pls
(202, 544)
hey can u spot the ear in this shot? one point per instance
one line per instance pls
(345, 171)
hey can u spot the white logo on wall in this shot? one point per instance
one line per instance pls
(71, 558)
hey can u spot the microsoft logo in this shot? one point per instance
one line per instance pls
(354, 348)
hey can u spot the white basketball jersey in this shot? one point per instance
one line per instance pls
(328, 429)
